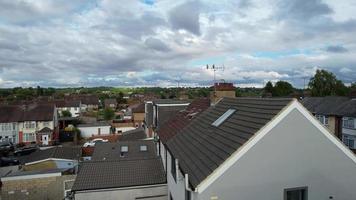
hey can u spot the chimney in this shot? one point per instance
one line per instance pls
(221, 90)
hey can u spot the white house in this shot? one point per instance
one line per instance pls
(253, 148)
(97, 128)
(73, 106)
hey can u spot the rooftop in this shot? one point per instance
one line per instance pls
(182, 118)
(136, 134)
(117, 174)
(201, 147)
(124, 150)
(70, 153)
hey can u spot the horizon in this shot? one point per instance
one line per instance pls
(158, 43)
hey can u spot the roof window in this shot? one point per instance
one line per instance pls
(223, 117)
(124, 148)
(143, 148)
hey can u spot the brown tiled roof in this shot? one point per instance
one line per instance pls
(182, 118)
(140, 108)
(34, 112)
(10, 114)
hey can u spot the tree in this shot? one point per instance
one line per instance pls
(269, 87)
(325, 83)
(282, 88)
(109, 114)
(66, 113)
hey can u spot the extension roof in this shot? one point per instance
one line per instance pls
(136, 134)
(70, 153)
(182, 119)
(201, 147)
(118, 174)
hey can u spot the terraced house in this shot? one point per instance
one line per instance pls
(30, 123)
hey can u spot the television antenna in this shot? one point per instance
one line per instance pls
(214, 69)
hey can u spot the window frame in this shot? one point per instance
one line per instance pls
(305, 188)
(173, 168)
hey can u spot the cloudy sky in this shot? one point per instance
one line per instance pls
(69, 43)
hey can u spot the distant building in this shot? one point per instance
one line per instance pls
(221, 90)
(93, 129)
(110, 103)
(73, 106)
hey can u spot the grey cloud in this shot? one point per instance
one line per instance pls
(336, 49)
(302, 9)
(156, 44)
(186, 16)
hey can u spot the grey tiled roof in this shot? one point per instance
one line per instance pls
(115, 174)
(167, 112)
(170, 101)
(112, 151)
(347, 109)
(202, 147)
(149, 114)
(71, 153)
(136, 134)
(324, 105)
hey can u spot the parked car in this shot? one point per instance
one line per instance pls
(8, 161)
(6, 147)
(25, 150)
(93, 142)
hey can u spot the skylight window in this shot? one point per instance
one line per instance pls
(223, 117)
(143, 148)
(124, 148)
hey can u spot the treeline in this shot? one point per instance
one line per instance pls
(323, 83)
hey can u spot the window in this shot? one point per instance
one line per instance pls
(29, 137)
(187, 195)
(323, 119)
(173, 168)
(348, 122)
(30, 124)
(296, 193)
(124, 148)
(143, 148)
(223, 117)
(349, 141)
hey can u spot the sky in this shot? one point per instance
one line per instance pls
(134, 43)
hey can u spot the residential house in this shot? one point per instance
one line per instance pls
(129, 170)
(348, 112)
(92, 129)
(255, 148)
(10, 117)
(89, 102)
(29, 123)
(73, 106)
(337, 114)
(110, 103)
(39, 124)
(326, 111)
(138, 114)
